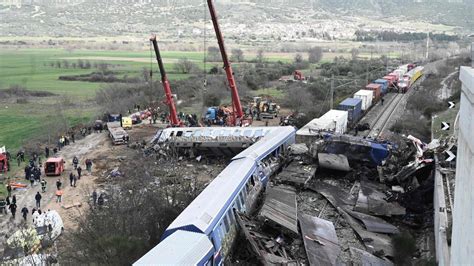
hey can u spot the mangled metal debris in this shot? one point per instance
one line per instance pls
(334, 161)
(280, 210)
(297, 173)
(364, 258)
(269, 250)
(320, 240)
(372, 201)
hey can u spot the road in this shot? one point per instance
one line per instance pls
(81, 148)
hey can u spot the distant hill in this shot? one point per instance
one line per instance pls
(241, 19)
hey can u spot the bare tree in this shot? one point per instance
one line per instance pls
(237, 55)
(354, 53)
(315, 54)
(260, 56)
(213, 54)
(132, 218)
(298, 58)
(299, 99)
(185, 66)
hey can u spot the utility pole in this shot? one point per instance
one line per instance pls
(367, 73)
(332, 91)
(472, 54)
(427, 45)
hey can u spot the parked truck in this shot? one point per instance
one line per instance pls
(116, 132)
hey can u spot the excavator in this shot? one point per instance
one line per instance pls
(236, 117)
(173, 117)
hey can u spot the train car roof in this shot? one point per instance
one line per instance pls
(191, 132)
(181, 248)
(201, 214)
(273, 139)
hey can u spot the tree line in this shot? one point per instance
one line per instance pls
(390, 36)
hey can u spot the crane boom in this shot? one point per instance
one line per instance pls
(238, 112)
(166, 86)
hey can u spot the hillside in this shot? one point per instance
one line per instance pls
(245, 20)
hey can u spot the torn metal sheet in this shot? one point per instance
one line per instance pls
(335, 195)
(320, 240)
(296, 174)
(374, 224)
(334, 161)
(364, 258)
(344, 202)
(374, 242)
(280, 208)
(268, 250)
(372, 201)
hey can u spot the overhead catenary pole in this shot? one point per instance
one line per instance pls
(332, 92)
(238, 112)
(166, 86)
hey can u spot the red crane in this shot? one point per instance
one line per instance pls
(174, 120)
(237, 114)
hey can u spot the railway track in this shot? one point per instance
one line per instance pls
(381, 122)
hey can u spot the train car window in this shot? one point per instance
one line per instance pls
(226, 224)
(172, 134)
(231, 215)
(252, 181)
(239, 202)
(221, 231)
(179, 133)
(209, 262)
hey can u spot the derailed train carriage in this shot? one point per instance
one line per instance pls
(204, 232)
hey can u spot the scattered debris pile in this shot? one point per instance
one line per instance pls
(336, 213)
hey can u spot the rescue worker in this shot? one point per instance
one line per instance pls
(59, 195)
(89, 166)
(46, 152)
(382, 100)
(71, 179)
(24, 212)
(12, 208)
(79, 172)
(38, 199)
(43, 185)
(100, 200)
(94, 197)
(74, 180)
(58, 184)
(9, 190)
(75, 162)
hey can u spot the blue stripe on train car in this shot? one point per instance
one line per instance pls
(354, 108)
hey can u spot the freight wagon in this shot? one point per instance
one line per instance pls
(384, 85)
(376, 89)
(353, 107)
(366, 96)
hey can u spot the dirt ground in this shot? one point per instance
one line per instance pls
(103, 154)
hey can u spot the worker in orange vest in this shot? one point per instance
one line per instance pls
(59, 194)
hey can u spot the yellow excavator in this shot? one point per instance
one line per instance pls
(265, 108)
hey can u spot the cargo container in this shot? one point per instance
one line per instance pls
(339, 119)
(394, 76)
(353, 107)
(376, 88)
(366, 97)
(390, 79)
(384, 83)
(400, 73)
